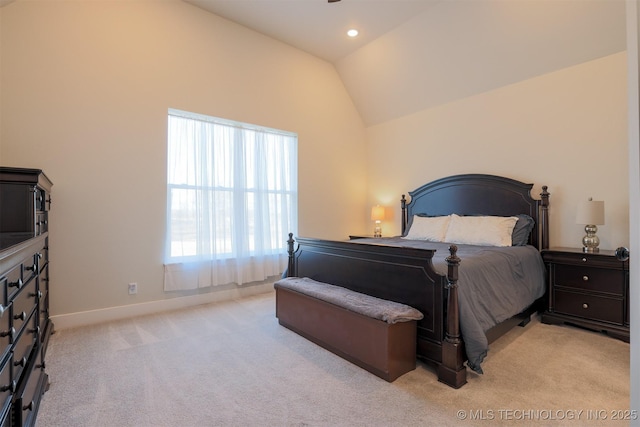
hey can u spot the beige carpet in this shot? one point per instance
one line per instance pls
(231, 364)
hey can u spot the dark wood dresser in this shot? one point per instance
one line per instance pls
(590, 290)
(25, 326)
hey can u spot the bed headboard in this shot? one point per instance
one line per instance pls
(479, 194)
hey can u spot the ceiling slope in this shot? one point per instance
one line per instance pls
(459, 49)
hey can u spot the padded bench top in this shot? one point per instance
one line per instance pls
(367, 305)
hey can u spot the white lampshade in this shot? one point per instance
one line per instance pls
(590, 212)
(377, 213)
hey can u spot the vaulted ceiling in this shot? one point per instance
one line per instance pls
(416, 54)
(413, 55)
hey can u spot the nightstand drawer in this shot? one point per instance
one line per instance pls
(589, 278)
(604, 259)
(589, 306)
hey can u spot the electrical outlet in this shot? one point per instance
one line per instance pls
(133, 288)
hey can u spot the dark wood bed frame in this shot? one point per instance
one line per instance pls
(406, 275)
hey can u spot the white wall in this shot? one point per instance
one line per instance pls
(85, 90)
(565, 129)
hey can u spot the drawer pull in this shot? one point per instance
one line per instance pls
(11, 332)
(22, 362)
(2, 310)
(584, 260)
(16, 284)
(22, 316)
(28, 407)
(585, 278)
(585, 305)
(9, 387)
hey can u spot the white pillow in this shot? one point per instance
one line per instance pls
(481, 230)
(428, 228)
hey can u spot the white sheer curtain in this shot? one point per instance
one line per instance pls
(231, 201)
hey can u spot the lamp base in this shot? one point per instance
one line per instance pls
(590, 242)
(377, 231)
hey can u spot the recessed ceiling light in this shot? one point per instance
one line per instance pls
(352, 33)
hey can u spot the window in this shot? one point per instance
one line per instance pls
(231, 201)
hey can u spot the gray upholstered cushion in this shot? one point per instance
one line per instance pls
(387, 311)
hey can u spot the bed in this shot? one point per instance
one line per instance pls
(437, 278)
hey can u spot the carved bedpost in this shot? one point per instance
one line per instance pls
(292, 265)
(452, 370)
(544, 218)
(453, 314)
(403, 206)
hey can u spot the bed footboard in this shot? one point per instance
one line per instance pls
(400, 274)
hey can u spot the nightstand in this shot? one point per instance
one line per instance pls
(360, 236)
(590, 290)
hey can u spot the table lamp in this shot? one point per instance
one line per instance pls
(377, 215)
(590, 213)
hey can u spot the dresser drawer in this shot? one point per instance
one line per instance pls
(23, 347)
(31, 393)
(3, 293)
(42, 223)
(41, 199)
(29, 268)
(589, 306)
(44, 256)
(7, 333)
(43, 310)
(7, 387)
(5, 419)
(43, 279)
(23, 304)
(20, 275)
(590, 278)
(12, 282)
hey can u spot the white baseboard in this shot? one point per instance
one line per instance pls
(91, 317)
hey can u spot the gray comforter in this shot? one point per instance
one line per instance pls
(494, 284)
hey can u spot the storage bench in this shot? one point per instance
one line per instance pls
(375, 334)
